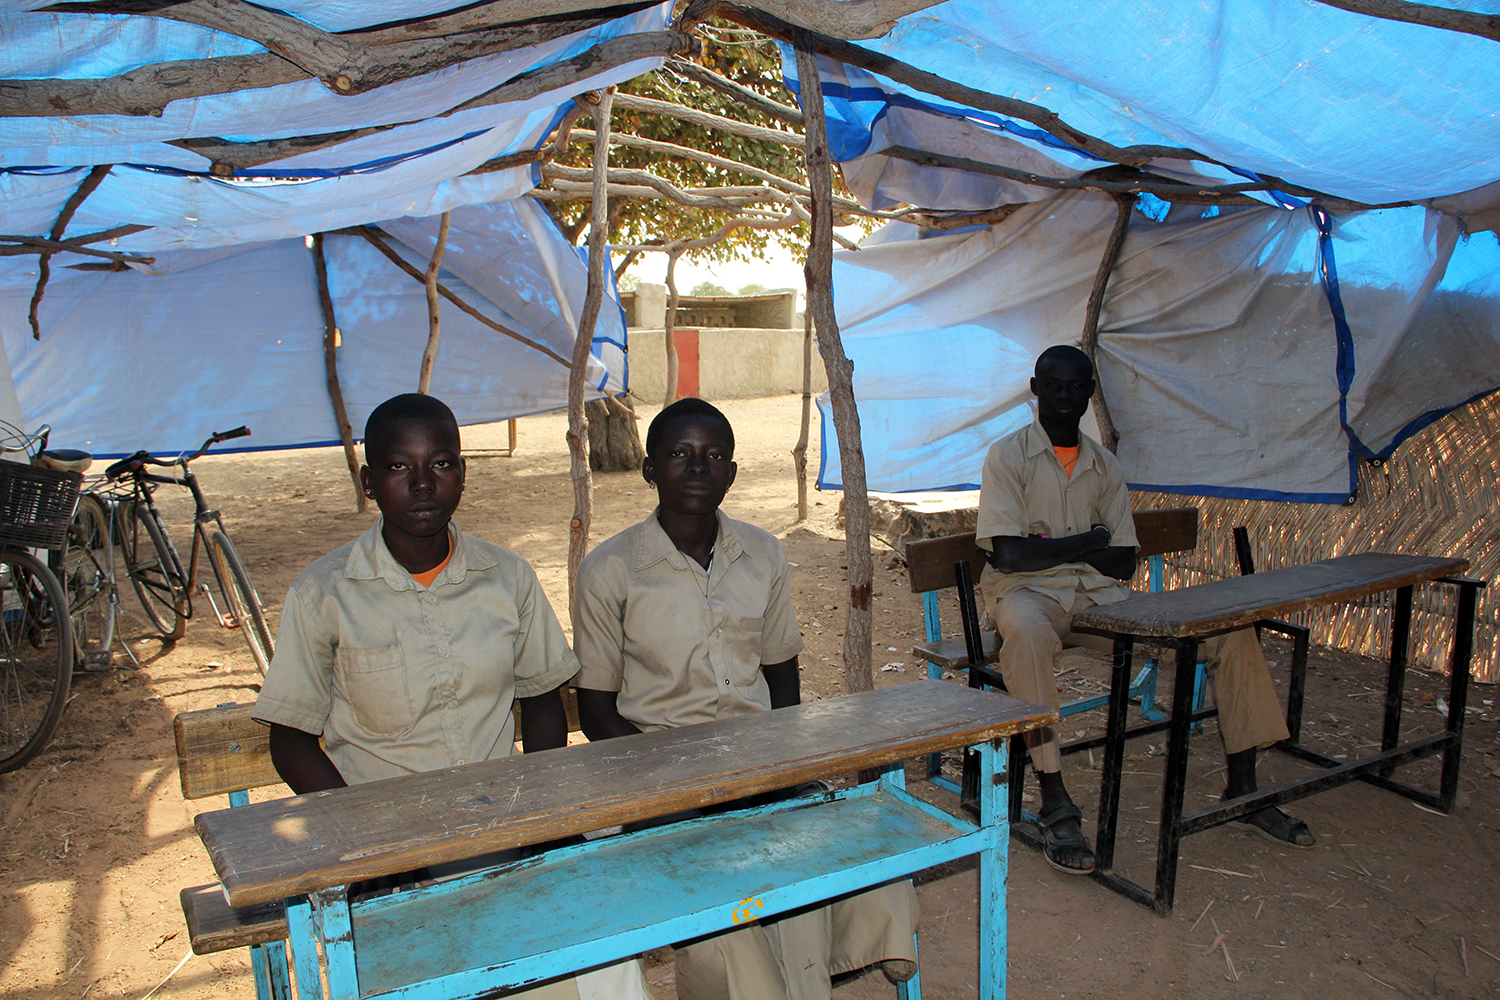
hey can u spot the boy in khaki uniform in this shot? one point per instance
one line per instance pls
(686, 618)
(405, 649)
(1054, 514)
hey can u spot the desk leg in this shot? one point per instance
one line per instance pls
(1169, 837)
(301, 938)
(993, 862)
(1458, 689)
(1395, 682)
(268, 963)
(911, 989)
(1114, 754)
(331, 915)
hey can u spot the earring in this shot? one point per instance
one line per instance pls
(651, 486)
(369, 493)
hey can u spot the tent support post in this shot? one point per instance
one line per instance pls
(669, 396)
(1089, 341)
(578, 424)
(799, 453)
(44, 261)
(429, 353)
(819, 276)
(331, 366)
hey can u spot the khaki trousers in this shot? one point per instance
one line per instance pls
(795, 957)
(1034, 628)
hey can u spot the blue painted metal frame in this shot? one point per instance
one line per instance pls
(267, 961)
(1143, 688)
(330, 921)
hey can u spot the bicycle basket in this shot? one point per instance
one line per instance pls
(36, 505)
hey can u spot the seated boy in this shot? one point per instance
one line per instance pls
(686, 618)
(405, 648)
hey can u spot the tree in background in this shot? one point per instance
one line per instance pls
(708, 288)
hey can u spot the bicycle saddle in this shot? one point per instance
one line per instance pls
(65, 459)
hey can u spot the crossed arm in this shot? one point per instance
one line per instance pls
(1013, 554)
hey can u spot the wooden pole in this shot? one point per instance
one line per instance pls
(429, 354)
(819, 276)
(95, 177)
(331, 367)
(578, 424)
(669, 396)
(1089, 341)
(799, 453)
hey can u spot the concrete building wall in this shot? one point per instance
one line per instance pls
(732, 363)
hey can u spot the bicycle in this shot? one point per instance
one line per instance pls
(36, 640)
(164, 586)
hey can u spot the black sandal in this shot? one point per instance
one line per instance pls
(1280, 832)
(1053, 841)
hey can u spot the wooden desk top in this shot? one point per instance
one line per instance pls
(271, 850)
(1235, 603)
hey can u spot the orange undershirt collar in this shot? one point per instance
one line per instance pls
(425, 579)
(1068, 457)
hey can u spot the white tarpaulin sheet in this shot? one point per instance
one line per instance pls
(1224, 368)
(229, 336)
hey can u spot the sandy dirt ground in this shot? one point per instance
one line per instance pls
(1395, 900)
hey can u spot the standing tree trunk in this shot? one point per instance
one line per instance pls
(670, 395)
(331, 369)
(429, 353)
(614, 441)
(819, 276)
(799, 453)
(578, 424)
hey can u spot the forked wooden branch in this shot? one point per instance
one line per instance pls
(1088, 342)
(430, 282)
(694, 117)
(95, 177)
(375, 240)
(735, 91)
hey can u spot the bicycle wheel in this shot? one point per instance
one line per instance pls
(240, 599)
(153, 570)
(36, 657)
(88, 580)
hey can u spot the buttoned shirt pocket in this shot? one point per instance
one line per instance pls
(742, 642)
(374, 689)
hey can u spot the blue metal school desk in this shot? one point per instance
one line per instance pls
(584, 906)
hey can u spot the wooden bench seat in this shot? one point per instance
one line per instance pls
(213, 925)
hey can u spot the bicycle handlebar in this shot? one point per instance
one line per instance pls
(143, 458)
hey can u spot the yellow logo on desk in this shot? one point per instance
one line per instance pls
(747, 910)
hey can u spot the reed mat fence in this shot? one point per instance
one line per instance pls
(1437, 495)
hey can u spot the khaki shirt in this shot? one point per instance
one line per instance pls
(680, 644)
(399, 678)
(1026, 492)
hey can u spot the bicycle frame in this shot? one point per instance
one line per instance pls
(204, 518)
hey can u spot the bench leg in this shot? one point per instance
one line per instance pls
(336, 935)
(268, 961)
(993, 868)
(912, 988)
(302, 940)
(931, 617)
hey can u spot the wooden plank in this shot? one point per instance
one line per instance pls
(222, 750)
(213, 925)
(271, 850)
(1241, 601)
(929, 561)
(674, 883)
(954, 652)
(1162, 531)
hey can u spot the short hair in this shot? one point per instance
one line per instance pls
(688, 406)
(407, 407)
(1066, 353)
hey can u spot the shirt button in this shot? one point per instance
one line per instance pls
(726, 682)
(445, 653)
(461, 761)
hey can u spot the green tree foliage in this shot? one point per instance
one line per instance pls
(747, 58)
(708, 288)
(753, 289)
